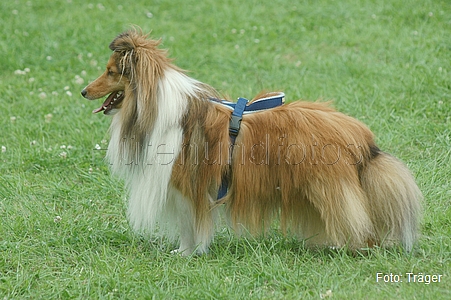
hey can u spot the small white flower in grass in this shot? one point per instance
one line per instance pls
(114, 291)
(13, 119)
(233, 30)
(149, 15)
(90, 170)
(256, 41)
(104, 142)
(120, 7)
(69, 93)
(237, 46)
(430, 14)
(83, 73)
(19, 72)
(48, 118)
(90, 5)
(54, 93)
(63, 147)
(97, 147)
(3, 149)
(93, 62)
(242, 31)
(49, 58)
(63, 154)
(79, 80)
(33, 142)
(27, 70)
(66, 88)
(89, 54)
(57, 219)
(100, 6)
(327, 294)
(31, 80)
(42, 95)
(69, 147)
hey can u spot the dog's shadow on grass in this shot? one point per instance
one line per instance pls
(275, 244)
(226, 245)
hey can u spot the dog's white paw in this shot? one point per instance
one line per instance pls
(182, 252)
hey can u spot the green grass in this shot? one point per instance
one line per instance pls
(63, 230)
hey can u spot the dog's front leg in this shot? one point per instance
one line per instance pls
(195, 235)
(187, 236)
(182, 214)
(192, 238)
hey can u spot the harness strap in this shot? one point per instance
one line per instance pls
(256, 105)
(237, 116)
(234, 128)
(239, 109)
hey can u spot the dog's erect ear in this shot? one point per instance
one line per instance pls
(132, 40)
(125, 45)
(135, 52)
(124, 42)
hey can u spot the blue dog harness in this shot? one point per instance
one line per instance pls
(238, 110)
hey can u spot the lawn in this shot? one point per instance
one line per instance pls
(63, 227)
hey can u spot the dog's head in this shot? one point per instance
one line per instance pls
(112, 82)
(131, 73)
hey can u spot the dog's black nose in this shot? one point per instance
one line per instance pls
(83, 93)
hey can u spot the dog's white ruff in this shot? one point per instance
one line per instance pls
(152, 199)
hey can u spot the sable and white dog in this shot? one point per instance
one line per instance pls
(315, 169)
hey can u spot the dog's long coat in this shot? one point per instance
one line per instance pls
(316, 169)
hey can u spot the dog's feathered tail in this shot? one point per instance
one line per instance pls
(394, 199)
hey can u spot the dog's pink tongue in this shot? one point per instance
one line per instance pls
(97, 110)
(105, 104)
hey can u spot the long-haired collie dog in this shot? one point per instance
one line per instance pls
(315, 170)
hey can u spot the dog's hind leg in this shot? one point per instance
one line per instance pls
(342, 207)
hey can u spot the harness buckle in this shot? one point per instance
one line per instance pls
(234, 125)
